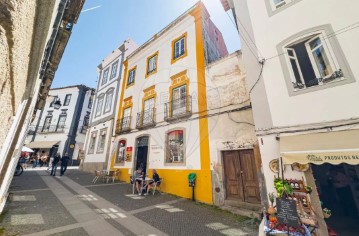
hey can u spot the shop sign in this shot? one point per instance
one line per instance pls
(287, 212)
(129, 153)
(349, 157)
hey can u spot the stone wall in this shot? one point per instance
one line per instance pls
(16, 30)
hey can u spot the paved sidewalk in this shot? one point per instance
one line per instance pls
(40, 204)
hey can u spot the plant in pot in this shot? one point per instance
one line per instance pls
(327, 213)
(282, 187)
(308, 189)
(271, 209)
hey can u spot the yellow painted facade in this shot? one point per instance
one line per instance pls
(196, 131)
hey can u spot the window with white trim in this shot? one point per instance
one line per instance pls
(92, 142)
(279, 3)
(311, 62)
(152, 64)
(179, 48)
(108, 103)
(114, 70)
(67, 99)
(175, 146)
(101, 141)
(99, 105)
(105, 76)
(131, 77)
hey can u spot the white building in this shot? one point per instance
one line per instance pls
(304, 93)
(62, 129)
(110, 74)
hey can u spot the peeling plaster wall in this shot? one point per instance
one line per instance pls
(16, 30)
(227, 90)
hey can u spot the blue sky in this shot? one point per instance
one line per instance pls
(110, 22)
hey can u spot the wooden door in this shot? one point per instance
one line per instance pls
(249, 176)
(232, 176)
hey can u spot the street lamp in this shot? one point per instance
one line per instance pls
(57, 104)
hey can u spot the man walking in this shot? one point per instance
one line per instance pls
(55, 162)
(64, 161)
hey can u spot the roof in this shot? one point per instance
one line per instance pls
(169, 26)
(73, 86)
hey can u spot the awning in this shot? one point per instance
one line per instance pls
(42, 144)
(330, 147)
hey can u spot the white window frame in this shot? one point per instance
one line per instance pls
(131, 77)
(105, 76)
(327, 48)
(312, 59)
(99, 105)
(298, 66)
(279, 4)
(168, 150)
(108, 102)
(92, 143)
(177, 53)
(114, 68)
(102, 141)
(152, 64)
(67, 99)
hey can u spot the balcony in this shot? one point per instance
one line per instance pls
(124, 125)
(146, 119)
(179, 108)
(51, 129)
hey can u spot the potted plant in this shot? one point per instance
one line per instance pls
(308, 189)
(271, 209)
(282, 187)
(327, 213)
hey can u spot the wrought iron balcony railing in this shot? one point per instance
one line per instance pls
(146, 118)
(178, 108)
(124, 124)
(51, 129)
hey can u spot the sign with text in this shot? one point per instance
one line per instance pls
(287, 212)
(128, 154)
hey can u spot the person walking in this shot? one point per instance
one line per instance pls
(35, 159)
(64, 161)
(51, 160)
(55, 162)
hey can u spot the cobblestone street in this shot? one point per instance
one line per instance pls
(40, 204)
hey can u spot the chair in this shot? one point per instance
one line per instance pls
(98, 174)
(112, 175)
(157, 185)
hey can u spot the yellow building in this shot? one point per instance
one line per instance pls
(162, 115)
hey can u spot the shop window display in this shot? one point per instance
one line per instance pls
(175, 147)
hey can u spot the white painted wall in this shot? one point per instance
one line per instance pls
(330, 104)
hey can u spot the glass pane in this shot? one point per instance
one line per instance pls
(126, 112)
(121, 151)
(322, 62)
(175, 146)
(290, 52)
(315, 43)
(295, 70)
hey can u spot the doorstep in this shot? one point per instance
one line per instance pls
(252, 210)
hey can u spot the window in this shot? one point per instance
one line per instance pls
(121, 152)
(53, 101)
(131, 77)
(114, 70)
(312, 62)
(179, 104)
(47, 124)
(92, 142)
(179, 48)
(105, 76)
(67, 99)
(152, 64)
(175, 147)
(61, 123)
(108, 102)
(148, 111)
(102, 140)
(90, 102)
(126, 121)
(279, 3)
(99, 105)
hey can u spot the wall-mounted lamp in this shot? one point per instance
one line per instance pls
(57, 104)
